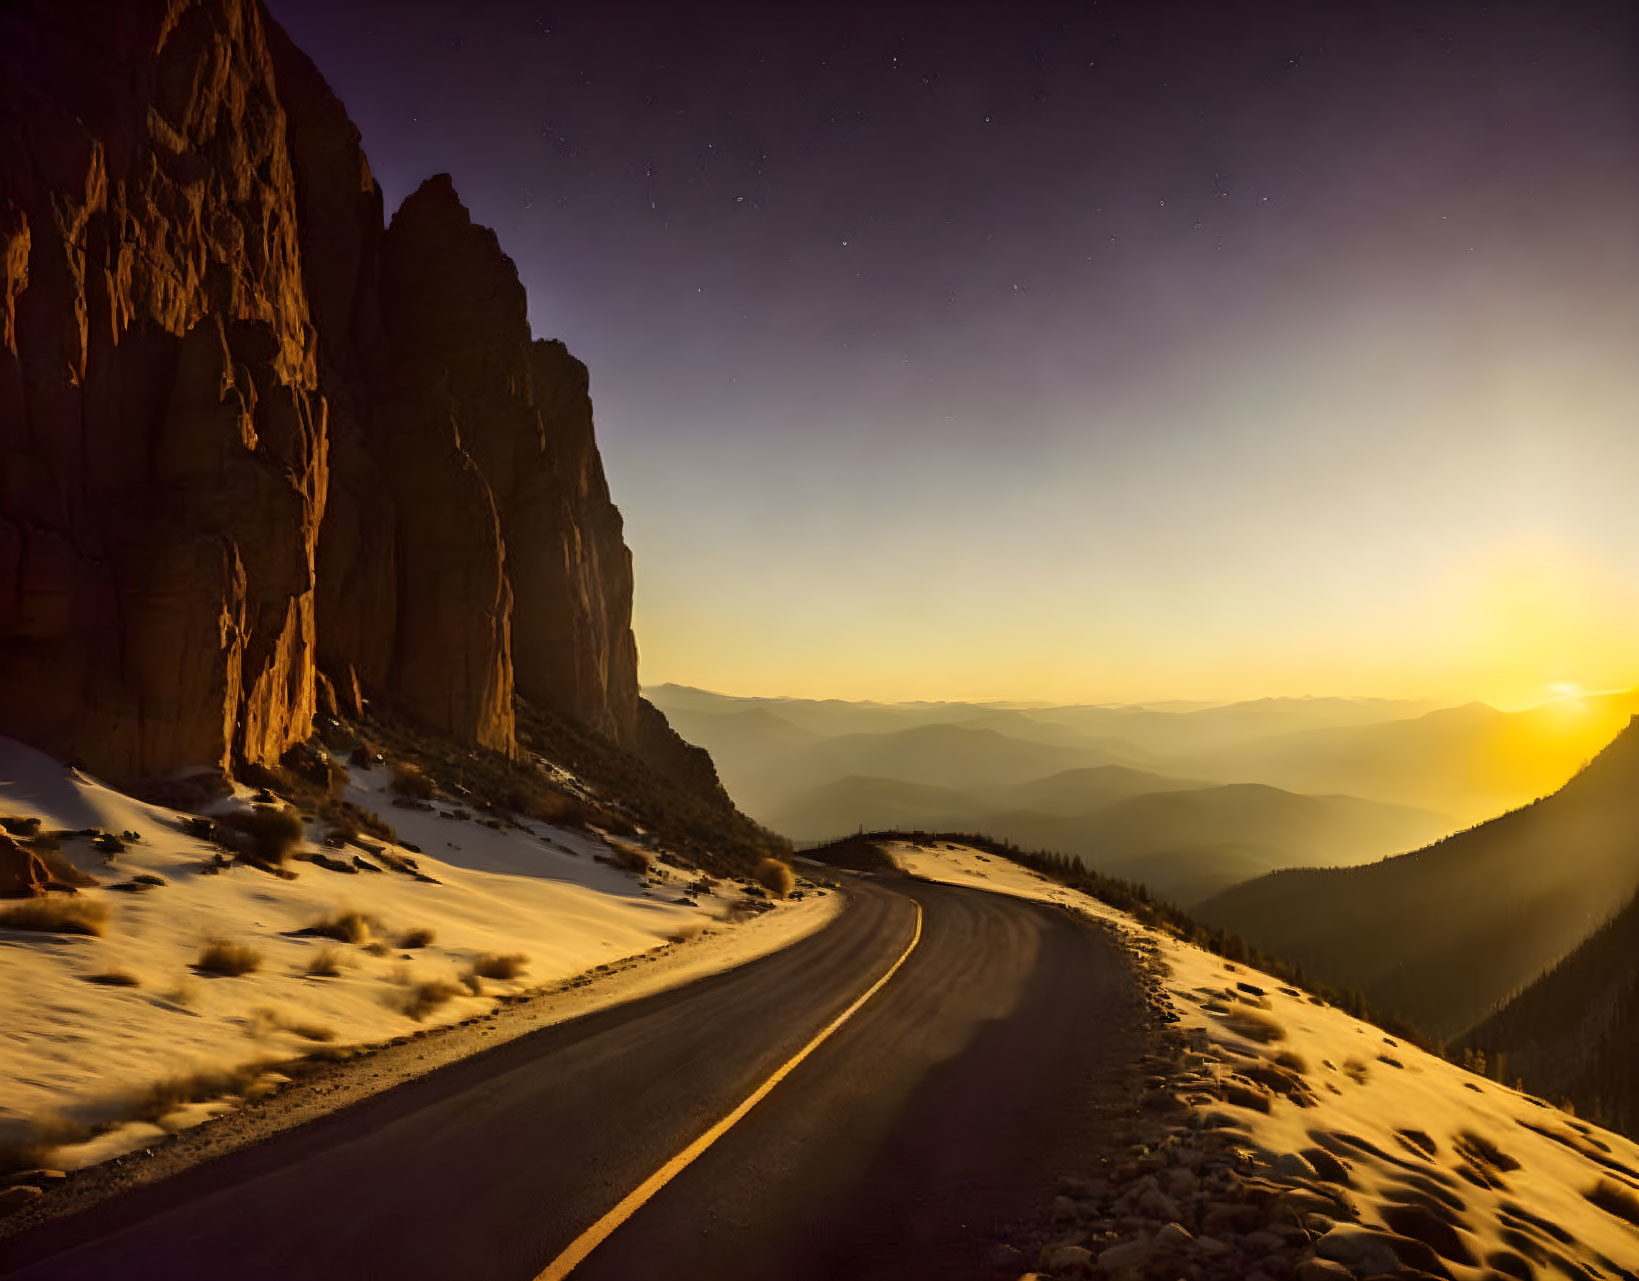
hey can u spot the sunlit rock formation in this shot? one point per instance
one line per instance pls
(253, 439)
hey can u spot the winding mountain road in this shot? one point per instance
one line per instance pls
(928, 1126)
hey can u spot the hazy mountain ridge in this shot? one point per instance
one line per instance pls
(1443, 934)
(1184, 842)
(1473, 760)
(1279, 783)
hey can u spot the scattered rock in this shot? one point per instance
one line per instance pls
(1358, 1249)
(1128, 1256)
(1173, 1234)
(1066, 1258)
(1156, 1204)
(1292, 1166)
(17, 1196)
(37, 1177)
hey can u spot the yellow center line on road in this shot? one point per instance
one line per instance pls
(595, 1235)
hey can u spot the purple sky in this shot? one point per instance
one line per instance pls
(1094, 351)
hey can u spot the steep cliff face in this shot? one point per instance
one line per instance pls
(250, 434)
(500, 429)
(162, 442)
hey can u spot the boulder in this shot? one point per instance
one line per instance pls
(1066, 1259)
(22, 874)
(1128, 1256)
(1363, 1252)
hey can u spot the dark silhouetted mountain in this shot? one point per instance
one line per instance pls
(1444, 934)
(1574, 1033)
(856, 802)
(1187, 844)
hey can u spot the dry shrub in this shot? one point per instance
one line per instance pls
(493, 966)
(420, 937)
(776, 877)
(114, 978)
(1254, 1025)
(410, 780)
(173, 1092)
(378, 948)
(1356, 1070)
(32, 1148)
(348, 820)
(344, 927)
(309, 762)
(324, 964)
(683, 933)
(267, 832)
(1292, 1060)
(1615, 1198)
(629, 858)
(267, 1018)
(548, 805)
(56, 916)
(332, 1053)
(230, 959)
(421, 997)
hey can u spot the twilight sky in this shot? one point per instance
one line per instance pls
(1072, 352)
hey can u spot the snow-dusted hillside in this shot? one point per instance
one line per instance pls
(91, 1024)
(1293, 1140)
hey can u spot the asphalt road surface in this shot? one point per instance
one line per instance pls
(929, 1127)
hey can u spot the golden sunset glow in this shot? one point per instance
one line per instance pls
(1515, 627)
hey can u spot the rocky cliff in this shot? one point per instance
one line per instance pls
(254, 440)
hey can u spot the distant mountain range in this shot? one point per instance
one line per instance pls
(1445, 934)
(1471, 761)
(1184, 840)
(1189, 799)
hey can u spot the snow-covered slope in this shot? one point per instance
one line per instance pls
(90, 1024)
(1382, 1156)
